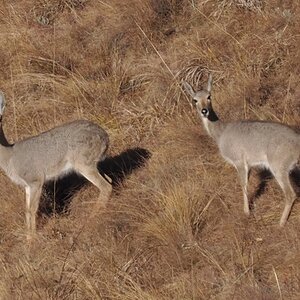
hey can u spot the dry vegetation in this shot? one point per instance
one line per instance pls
(174, 227)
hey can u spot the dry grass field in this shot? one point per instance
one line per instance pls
(174, 227)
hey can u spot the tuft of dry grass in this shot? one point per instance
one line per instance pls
(174, 226)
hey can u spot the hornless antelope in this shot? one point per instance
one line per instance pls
(77, 146)
(246, 144)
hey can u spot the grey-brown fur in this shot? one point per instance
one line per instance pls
(246, 144)
(77, 146)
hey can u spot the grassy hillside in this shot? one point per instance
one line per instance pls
(174, 227)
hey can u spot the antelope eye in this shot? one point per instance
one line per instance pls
(195, 101)
(209, 98)
(204, 112)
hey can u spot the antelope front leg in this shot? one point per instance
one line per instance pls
(33, 193)
(244, 176)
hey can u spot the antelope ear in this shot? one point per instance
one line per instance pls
(2, 103)
(209, 83)
(188, 89)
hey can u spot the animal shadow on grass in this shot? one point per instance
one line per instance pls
(57, 195)
(295, 180)
(265, 176)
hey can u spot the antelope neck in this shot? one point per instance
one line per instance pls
(6, 149)
(213, 125)
(3, 140)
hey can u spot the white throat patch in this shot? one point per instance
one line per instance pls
(205, 123)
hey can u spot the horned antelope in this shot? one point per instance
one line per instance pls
(77, 146)
(246, 144)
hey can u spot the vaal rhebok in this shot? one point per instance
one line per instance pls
(77, 146)
(246, 144)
